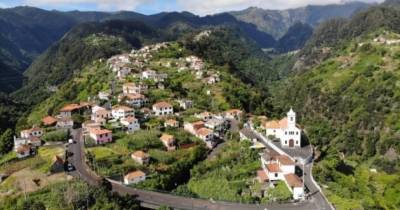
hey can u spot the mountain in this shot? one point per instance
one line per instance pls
(26, 32)
(295, 38)
(82, 45)
(277, 22)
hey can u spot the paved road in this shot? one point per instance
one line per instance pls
(155, 198)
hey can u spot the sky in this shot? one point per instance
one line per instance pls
(200, 7)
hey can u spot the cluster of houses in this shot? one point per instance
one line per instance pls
(277, 166)
(28, 142)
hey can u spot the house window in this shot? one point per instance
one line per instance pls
(285, 132)
(297, 142)
(276, 174)
(291, 118)
(297, 133)
(285, 142)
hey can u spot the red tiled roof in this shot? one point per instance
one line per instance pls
(167, 138)
(100, 131)
(140, 154)
(284, 160)
(162, 104)
(262, 175)
(204, 132)
(135, 174)
(49, 120)
(273, 167)
(70, 107)
(23, 149)
(293, 180)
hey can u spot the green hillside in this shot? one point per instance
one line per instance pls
(349, 107)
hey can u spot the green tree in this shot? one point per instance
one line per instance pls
(6, 141)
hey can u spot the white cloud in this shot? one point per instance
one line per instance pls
(108, 5)
(204, 7)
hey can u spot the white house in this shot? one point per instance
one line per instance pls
(33, 132)
(134, 177)
(207, 136)
(135, 99)
(133, 88)
(140, 157)
(131, 124)
(185, 104)
(149, 74)
(193, 127)
(100, 115)
(285, 129)
(23, 151)
(168, 141)
(162, 109)
(281, 167)
(119, 112)
(215, 124)
(64, 123)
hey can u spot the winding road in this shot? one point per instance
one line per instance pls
(155, 199)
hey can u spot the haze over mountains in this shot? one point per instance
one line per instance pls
(25, 32)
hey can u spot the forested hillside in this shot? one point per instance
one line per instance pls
(349, 101)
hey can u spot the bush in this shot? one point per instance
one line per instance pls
(55, 136)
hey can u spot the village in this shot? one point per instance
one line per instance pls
(129, 108)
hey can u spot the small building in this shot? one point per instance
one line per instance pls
(135, 99)
(100, 115)
(33, 132)
(90, 124)
(171, 123)
(262, 177)
(205, 116)
(119, 112)
(185, 104)
(49, 121)
(65, 123)
(101, 136)
(168, 141)
(215, 124)
(148, 74)
(207, 136)
(134, 88)
(134, 177)
(103, 95)
(23, 151)
(140, 157)
(68, 109)
(162, 109)
(234, 114)
(193, 127)
(295, 185)
(131, 124)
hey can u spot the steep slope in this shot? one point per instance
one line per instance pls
(295, 38)
(277, 23)
(82, 45)
(348, 102)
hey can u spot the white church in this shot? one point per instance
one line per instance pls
(285, 130)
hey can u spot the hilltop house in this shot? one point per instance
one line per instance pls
(285, 130)
(281, 167)
(49, 121)
(162, 109)
(65, 123)
(33, 132)
(134, 177)
(168, 141)
(234, 114)
(193, 127)
(215, 124)
(134, 99)
(100, 136)
(23, 151)
(205, 116)
(185, 104)
(140, 157)
(134, 88)
(119, 112)
(171, 123)
(131, 124)
(100, 115)
(207, 136)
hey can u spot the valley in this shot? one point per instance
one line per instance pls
(224, 111)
